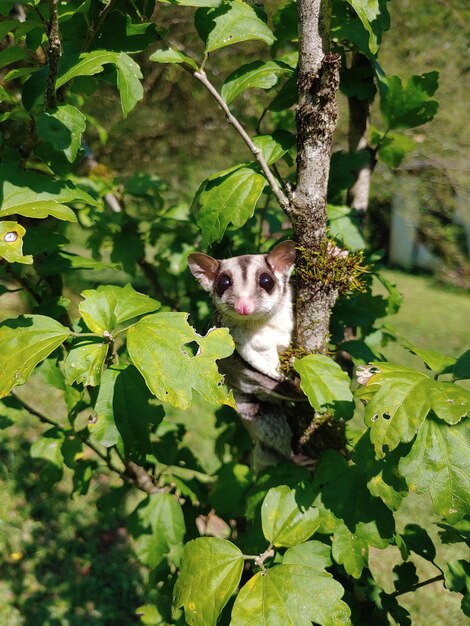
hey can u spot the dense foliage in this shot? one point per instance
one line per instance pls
(141, 386)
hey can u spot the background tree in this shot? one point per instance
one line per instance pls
(114, 358)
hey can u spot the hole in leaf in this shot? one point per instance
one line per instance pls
(10, 237)
(374, 418)
(385, 449)
(386, 416)
(191, 348)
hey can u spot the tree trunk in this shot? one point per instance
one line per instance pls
(317, 82)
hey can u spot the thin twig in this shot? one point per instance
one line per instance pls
(54, 50)
(280, 195)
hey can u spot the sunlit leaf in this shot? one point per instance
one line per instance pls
(374, 17)
(170, 55)
(344, 227)
(227, 197)
(210, 573)
(231, 23)
(291, 595)
(325, 384)
(273, 147)
(260, 74)
(314, 554)
(25, 342)
(157, 347)
(287, 516)
(108, 306)
(11, 243)
(85, 361)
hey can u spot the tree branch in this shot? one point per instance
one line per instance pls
(54, 51)
(134, 474)
(280, 195)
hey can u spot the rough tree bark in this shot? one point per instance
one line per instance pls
(317, 82)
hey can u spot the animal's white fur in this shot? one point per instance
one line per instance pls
(260, 336)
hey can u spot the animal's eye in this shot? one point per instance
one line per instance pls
(222, 284)
(266, 282)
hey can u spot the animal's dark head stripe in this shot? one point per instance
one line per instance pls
(244, 262)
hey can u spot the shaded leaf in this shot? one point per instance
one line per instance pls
(325, 384)
(63, 128)
(210, 573)
(231, 23)
(394, 147)
(90, 63)
(417, 539)
(158, 528)
(108, 306)
(156, 346)
(260, 74)
(287, 516)
(291, 595)
(25, 342)
(439, 463)
(409, 104)
(227, 197)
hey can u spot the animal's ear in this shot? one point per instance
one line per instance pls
(204, 268)
(282, 257)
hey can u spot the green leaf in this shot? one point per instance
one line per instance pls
(356, 519)
(393, 148)
(194, 3)
(401, 398)
(90, 63)
(374, 17)
(439, 463)
(409, 104)
(290, 595)
(37, 195)
(11, 243)
(61, 261)
(123, 413)
(104, 308)
(287, 516)
(49, 448)
(344, 227)
(158, 528)
(26, 341)
(63, 128)
(85, 361)
(229, 492)
(210, 573)
(231, 23)
(274, 147)
(325, 384)
(314, 554)
(457, 576)
(103, 427)
(170, 55)
(156, 346)
(350, 550)
(11, 55)
(260, 74)
(227, 197)
(461, 368)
